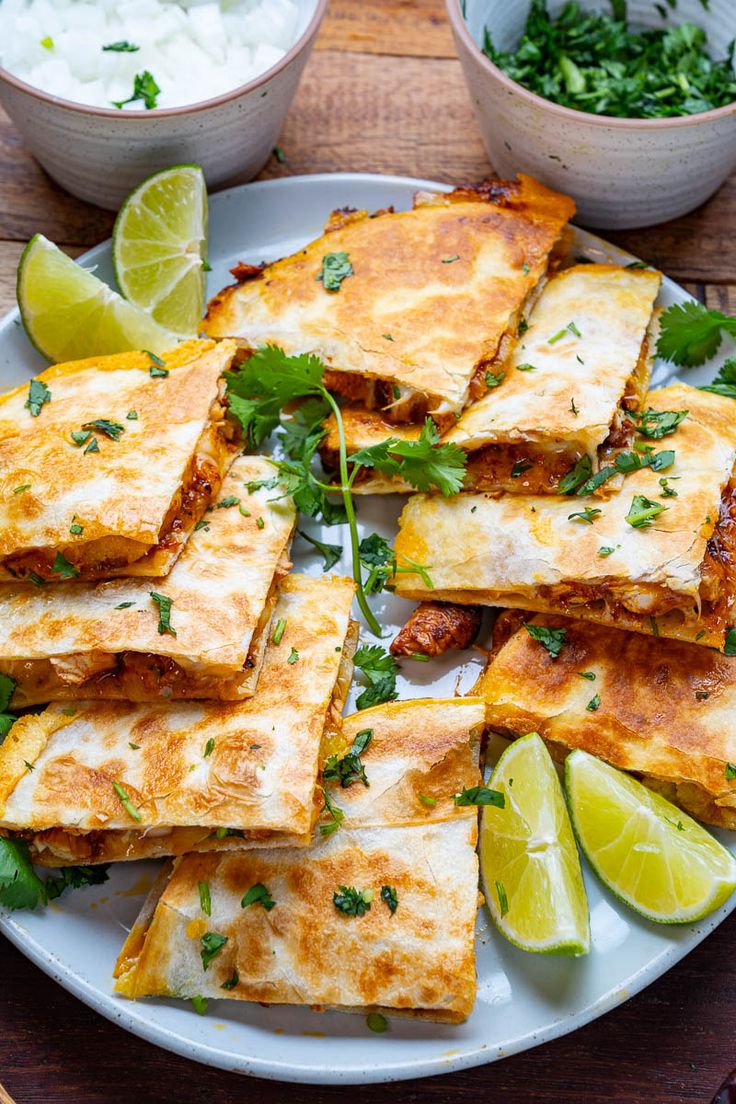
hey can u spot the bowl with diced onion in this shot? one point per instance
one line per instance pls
(106, 93)
(627, 105)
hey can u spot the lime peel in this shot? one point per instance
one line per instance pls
(530, 867)
(647, 852)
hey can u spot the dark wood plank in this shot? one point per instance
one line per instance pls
(672, 1044)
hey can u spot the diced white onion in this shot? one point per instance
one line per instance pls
(194, 49)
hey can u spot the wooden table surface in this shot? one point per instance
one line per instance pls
(382, 93)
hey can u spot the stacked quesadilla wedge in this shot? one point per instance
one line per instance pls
(378, 913)
(110, 462)
(579, 362)
(662, 709)
(200, 632)
(656, 556)
(102, 781)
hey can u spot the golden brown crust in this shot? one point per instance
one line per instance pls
(129, 494)
(102, 640)
(442, 319)
(666, 708)
(417, 960)
(527, 552)
(436, 627)
(260, 769)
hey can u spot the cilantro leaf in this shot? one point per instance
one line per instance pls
(656, 424)
(425, 463)
(336, 815)
(379, 668)
(690, 333)
(480, 795)
(212, 944)
(144, 88)
(164, 604)
(336, 267)
(38, 394)
(349, 768)
(75, 877)
(63, 568)
(725, 382)
(351, 901)
(576, 476)
(552, 639)
(7, 688)
(330, 552)
(265, 382)
(258, 895)
(20, 886)
(390, 897)
(304, 430)
(643, 511)
(121, 47)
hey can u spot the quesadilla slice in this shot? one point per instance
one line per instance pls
(657, 556)
(107, 464)
(408, 309)
(199, 633)
(377, 914)
(104, 781)
(582, 360)
(663, 710)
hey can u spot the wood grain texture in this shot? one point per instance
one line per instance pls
(412, 28)
(382, 93)
(672, 1044)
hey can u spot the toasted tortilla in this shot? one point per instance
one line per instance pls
(674, 578)
(103, 640)
(430, 295)
(417, 960)
(112, 506)
(666, 709)
(562, 393)
(248, 768)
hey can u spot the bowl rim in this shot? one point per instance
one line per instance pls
(460, 28)
(185, 109)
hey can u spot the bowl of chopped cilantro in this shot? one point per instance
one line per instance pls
(627, 105)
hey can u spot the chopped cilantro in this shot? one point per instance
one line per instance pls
(593, 704)
(205, 898)
(199, 1004)
(122, 47)
(425, 799)
(336, 267)
(38, 395)
(63, 568)
(227, 502)
(232, 981)
(126, 802)
(105, 427)
(552, 639)
(503, 902)
(519, 468)
(588, 515)
(132, 416)
(379, 668)
(145, 89)
(349, 768)
(494, 380)
(336, 815)
(258, 895)
(75, 528)
(604, 550)
(331, 553)
(212, 944)
(526, 367)
(643, 511)
(351, 901)
(480, 795)
(451, 260)
(293, 657)
(376, 1022)
(164, 604)
(656, 424)
(279, 630)
(209, 747)
(589, 675)
(390, 897)
(23, 487)
(124, 605)
(730, 772)
(279, 154)
(570, 328)
(576, 476)
(156, 372)
(260, 523)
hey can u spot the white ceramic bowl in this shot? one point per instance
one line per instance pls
(621, 172)
(100, 154)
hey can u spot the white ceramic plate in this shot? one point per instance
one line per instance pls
(522, 999)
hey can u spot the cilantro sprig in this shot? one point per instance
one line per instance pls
(269, 381)
(690, 333)
(21, 887)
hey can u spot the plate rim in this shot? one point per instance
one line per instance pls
(125, 1014)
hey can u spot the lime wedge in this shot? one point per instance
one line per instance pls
(529, 863)
(159, 247)
(648, 852)
(69, 314)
